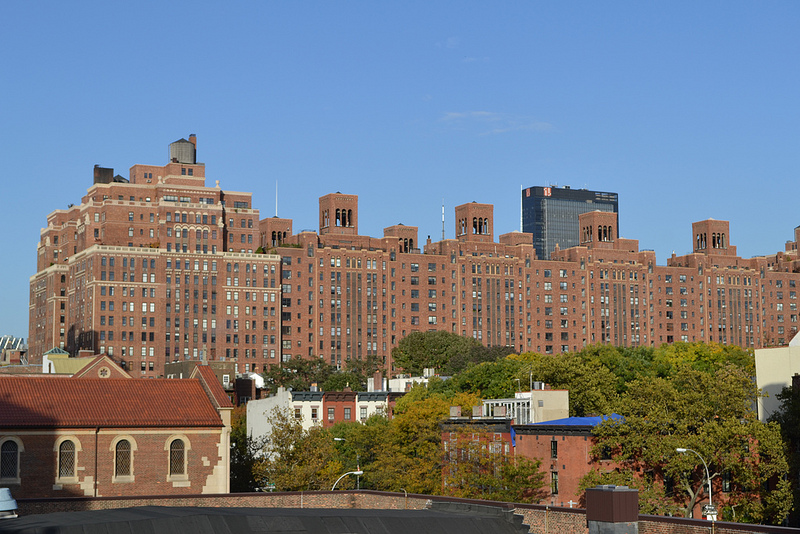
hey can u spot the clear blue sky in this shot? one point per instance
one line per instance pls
(688, 110)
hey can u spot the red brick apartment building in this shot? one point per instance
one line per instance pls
(100, 437)
(563, 447)
(162, 268)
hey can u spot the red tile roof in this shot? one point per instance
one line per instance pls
(112, 402)
(213, 386)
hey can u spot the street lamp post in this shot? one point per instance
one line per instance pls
(357, 473)
(712, 513)
(358, 466)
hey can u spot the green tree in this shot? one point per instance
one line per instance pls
(362, 445)
(298, 374)
(476, 466)
(592, 386)
(489, 380)
(420, 350)
(297, 459)
(788, 418)
(711, 414)
(654, 498)
(477, 354)
(245, 452)
(411, 457)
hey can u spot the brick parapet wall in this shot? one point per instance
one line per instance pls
(541, 519)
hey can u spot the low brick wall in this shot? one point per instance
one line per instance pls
(541, 519)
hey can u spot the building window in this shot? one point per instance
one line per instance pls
(363, 414)
(726, 481)
(177, 458)
(554, 482)
(9, 460)
(331, 414)
(554, 449)
(347, 414)
(122, 459)
(66, 459)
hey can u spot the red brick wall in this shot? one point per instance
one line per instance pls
(39, 463)
(541, 519)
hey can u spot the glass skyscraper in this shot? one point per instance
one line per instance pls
(551, 214)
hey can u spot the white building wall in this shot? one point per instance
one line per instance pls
(774, 370)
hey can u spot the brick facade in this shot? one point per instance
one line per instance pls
(187, 253)
(541, 519)
(67, 437)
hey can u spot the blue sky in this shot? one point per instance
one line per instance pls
(688, 110)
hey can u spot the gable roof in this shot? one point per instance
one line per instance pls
(52, 402)
(65, 365)
(216, 393)
(95, 367)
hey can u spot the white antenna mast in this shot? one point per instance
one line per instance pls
(276, 198)
(521, 190)
(442, 219)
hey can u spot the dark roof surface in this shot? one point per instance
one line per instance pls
(168, 520)
(47, 402)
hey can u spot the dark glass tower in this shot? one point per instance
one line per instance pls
(551, 214)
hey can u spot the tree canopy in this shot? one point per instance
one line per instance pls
(711, 414)
(420, 350)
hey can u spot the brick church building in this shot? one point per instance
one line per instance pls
(100, 437)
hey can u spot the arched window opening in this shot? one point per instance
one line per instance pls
(66, 459)
(474, 225)
(410, 245)
(349, 217)
(122, 459)
(9, 459)
(177, 457)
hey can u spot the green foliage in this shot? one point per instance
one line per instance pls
(411, 455)
(478, 354)
(298, 374)
(476, 467)
(591, 385)
(244, 454)
(788, 419)
(653, 498)
(297, 459)
(489, 380)
(420, 350)
(711, 414)
(344, 379)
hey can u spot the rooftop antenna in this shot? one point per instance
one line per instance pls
(521, 191)
(442, 219)
(276, 198)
